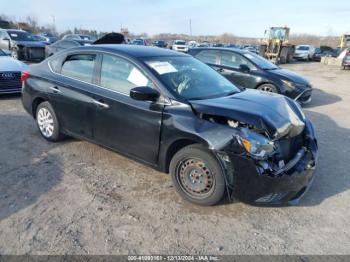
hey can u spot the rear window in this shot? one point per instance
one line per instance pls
(210, 57)
(79, 67)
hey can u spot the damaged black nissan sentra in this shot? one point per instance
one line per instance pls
(175, 113)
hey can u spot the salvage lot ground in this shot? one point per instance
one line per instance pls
(78, 198)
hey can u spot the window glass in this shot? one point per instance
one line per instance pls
(209, 57)
(119, 75)
(80, 67)
(56, 63)
(233, 60)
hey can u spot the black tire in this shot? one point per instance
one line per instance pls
(268, 88)
(204, 162)
(55, 135)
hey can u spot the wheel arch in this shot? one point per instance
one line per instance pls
(36, 102)
(175, 147)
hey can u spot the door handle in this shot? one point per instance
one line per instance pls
(100, 104)
(55, 89)
(220, 70)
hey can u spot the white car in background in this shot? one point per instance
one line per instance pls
(10, 74)
(180, 46)
(304, 52)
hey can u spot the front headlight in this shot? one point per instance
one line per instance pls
(288, 83)
(255, 145)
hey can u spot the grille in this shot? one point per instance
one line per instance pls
(36, 53)
(10, 80)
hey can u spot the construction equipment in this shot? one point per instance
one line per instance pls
(275, 46)
(344, 41)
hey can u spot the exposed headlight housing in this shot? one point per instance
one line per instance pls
(255, 145)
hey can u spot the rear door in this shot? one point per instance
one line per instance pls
(126, 125)
(71, 93)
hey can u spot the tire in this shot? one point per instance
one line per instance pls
(268, 88)
(47, 122)
(197, 175)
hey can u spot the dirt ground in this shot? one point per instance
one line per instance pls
(77, 198)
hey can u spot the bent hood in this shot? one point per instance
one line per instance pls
(289, 75)
(9, 64)
(278, 115)
(30, 44)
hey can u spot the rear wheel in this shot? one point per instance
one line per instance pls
(47, 122)
(197, 175)
(268, 88)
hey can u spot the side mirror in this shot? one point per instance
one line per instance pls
(244, 68)
(144, 93)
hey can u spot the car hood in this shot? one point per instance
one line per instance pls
(9, 64)
(30, 43)
(290, 76)
(279, 116)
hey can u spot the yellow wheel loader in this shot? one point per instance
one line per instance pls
(275, 46)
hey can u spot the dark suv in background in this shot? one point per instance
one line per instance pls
(22, 45)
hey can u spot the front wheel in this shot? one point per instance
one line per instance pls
(268, 88)
(198, 176)
(47, 122)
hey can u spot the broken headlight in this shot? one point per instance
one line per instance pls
(255, 145)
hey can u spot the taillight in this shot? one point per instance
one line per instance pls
(24, 76)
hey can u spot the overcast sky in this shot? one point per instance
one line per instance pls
(244, 18)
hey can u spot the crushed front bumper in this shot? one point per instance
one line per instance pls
(254, 185)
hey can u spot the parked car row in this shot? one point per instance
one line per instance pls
(177, 114)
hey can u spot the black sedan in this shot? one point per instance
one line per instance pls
(178, 115)
(22, 45)
(64, 44)
(249, 70)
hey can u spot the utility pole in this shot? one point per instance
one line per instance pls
(190, 27)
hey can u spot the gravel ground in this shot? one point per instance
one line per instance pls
(77, 198)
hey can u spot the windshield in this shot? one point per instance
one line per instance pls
(260, 61)
(303, 48)
(180, 43)
(20, 36)
(190, 78)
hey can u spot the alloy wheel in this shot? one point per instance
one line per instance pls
(45, 122)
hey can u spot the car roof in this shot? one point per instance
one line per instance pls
(237, 50)
(132, 50)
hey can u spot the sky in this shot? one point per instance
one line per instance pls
(247, 18)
